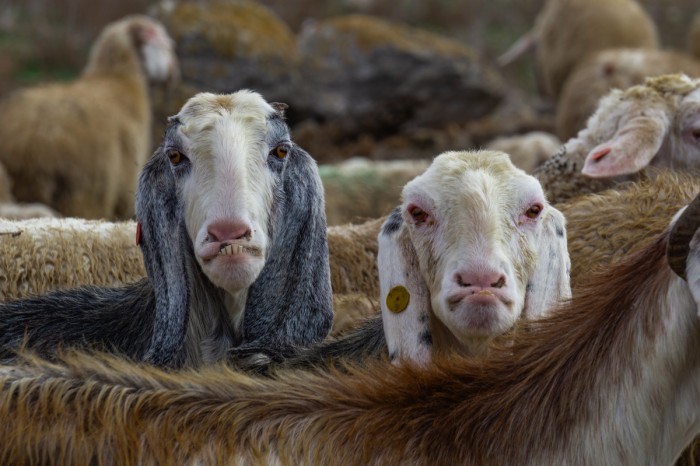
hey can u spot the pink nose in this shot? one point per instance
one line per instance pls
(228, 230)
(480, 280)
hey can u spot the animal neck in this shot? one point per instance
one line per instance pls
(445, 342)
(210, 330)
(616, 384)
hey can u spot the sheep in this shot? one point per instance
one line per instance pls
(612, 69)
(361, 189)
(77, 147)
(233, 236)
(568, 31)
(472, 248)
(655, 124)
(527, 151)
(611, 377)
(43, 255)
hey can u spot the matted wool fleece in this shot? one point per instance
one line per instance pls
(41, 255)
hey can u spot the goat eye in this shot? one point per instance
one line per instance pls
(175, 156)
(281, 151)
(534, 211)
(419, 215)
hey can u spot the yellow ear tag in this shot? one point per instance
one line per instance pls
(397, 299)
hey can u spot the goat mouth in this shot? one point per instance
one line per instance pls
(480, 297)
(235, 249)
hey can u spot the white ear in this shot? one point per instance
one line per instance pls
(403, 295)
(631, 148)
(549, 283)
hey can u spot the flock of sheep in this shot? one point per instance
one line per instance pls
(211, 304)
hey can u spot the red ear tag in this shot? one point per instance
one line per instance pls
(138, 234)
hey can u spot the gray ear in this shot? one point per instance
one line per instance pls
(406, 324)
(280, 107)
(549, 283)
(163, 241)
(290, 304)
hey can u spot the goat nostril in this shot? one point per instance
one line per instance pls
(500, 283)
(223, 231)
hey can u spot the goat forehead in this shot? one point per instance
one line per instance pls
(207, 111)
(473, 180)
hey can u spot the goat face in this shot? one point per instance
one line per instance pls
(227, 154)
(487, 246)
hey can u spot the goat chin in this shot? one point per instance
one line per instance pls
(478, 318)
(233, 273)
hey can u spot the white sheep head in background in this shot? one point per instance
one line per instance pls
(657, 124)
(155, 48)
(473, 247)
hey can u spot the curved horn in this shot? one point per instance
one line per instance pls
(679, 239)
(159, 212)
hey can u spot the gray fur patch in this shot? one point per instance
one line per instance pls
(393, 222)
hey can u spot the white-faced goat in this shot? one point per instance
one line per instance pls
(473, 247)
(233, 233)
(611, 377)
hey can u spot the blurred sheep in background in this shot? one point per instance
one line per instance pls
(77, 147)
(568, 31)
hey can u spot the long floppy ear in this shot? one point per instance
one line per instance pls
(290, 304)
(550, 282)
(632, 147)
(403, 295)
(163, 241)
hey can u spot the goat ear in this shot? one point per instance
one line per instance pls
(632, 147)
(403, 295)
(290, 304)
(163, 243)
(280, 107)
(550, 282)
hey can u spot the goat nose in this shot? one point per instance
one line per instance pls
(228, 230)
(482, 279)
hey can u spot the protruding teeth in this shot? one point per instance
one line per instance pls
(231, 249)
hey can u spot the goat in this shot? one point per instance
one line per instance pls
(473, 247)
(233, 235)
(611, 377)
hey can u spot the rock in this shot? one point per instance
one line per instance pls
(224, 46)
(372, 76)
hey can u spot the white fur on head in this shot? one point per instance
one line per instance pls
(228, 188)
(485, 242)
(158, 54)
